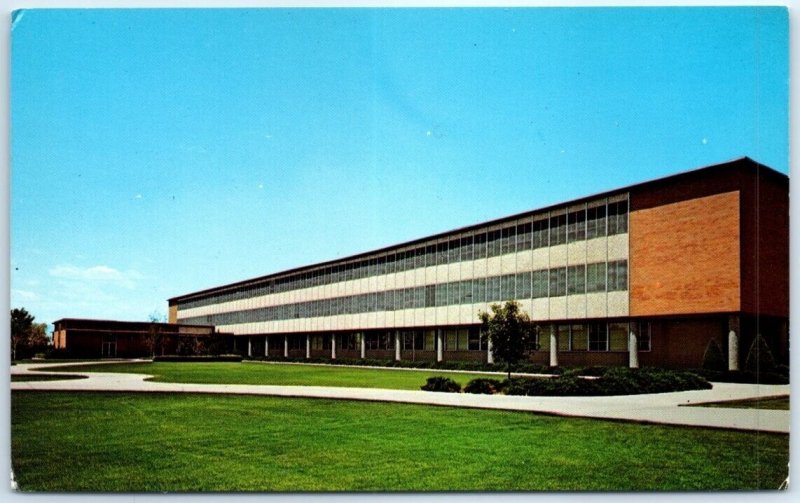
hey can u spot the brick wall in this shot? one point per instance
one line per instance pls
(685, 257)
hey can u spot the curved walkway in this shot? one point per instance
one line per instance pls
(661, 408)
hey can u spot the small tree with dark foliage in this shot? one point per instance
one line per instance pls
(510, 331)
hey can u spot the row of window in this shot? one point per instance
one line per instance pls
(593, 336)
(556, 282)
(587, 223)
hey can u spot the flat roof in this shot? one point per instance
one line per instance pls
(741, 163)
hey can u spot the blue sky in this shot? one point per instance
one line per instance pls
(158, 152)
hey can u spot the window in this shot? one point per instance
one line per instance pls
(618, 276)
(508, 241)
(493, 289)
(466, 292)
(466, 248)
(452, 294)
(618, 336)
(419, 297)
(430, 255)
(576, 230)
(430, 340)
(454, 251)
(479, 290)
(507, 286)
(493, 239)
(524, 285)
(474, 339)
(618, 218)
(558, 230)
(596, 278)
(479, 245)
(441, 294)
(598, 337)
(576, 282)
(419, 257)
(430, 296)
(540, 284)
(577, 336)
(540, 233)
(456, 340)
(558, 282)
(441, 253)
(524, 237)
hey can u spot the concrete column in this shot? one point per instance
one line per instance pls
(397, 345)
(489, 355)
(266, 345)
(333, 346)
(733, 343)
(439, 344)
(553, 346)
(250, 347)
(633, 348)
(308, 346)
(286, 346)
(363, 345)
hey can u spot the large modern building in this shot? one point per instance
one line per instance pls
(643, 275)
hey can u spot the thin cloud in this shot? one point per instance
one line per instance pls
(97, 274)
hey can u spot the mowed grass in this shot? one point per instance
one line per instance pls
(277, 374)
(765, 403)
(188, 442)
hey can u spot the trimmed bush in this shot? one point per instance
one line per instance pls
(713, 359)
(614, 381)
(483, 386)
(759, 357)
(443, 384)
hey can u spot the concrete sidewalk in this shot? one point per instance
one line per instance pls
(661, 408)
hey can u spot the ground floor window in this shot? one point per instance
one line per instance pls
(347, 341)
(644, 336)
(598, 337)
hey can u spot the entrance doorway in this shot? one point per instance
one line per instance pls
(109, 348)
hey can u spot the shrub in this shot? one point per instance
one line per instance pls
(713, 358)
(483, 386)
(614, 381)
(759, 357)
(443, 384)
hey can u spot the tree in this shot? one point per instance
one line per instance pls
(26, 335)
(510, 332)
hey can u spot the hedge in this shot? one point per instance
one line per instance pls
(177, 358)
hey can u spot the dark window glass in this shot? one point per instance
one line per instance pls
(558, 282)
(479, 290)
(558, 230)
(508, 240)
(524, 285)
(493, 240)
(466, 248)
(441, 253)
(596, 277)
(618, 276)
(524, 237)
(596, 222)
(508, 287)
(479, 245)
(430, 296)
(576, 281)
(541, 281)
(419, 257)
(540, 236)
(454, 251)
(576, 230)
(618, 218)
(466, 292)
(430, 255)
(598, 337)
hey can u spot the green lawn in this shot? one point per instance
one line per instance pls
(766, 403)
(268, 373)
(43, 377)
(185, 442)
